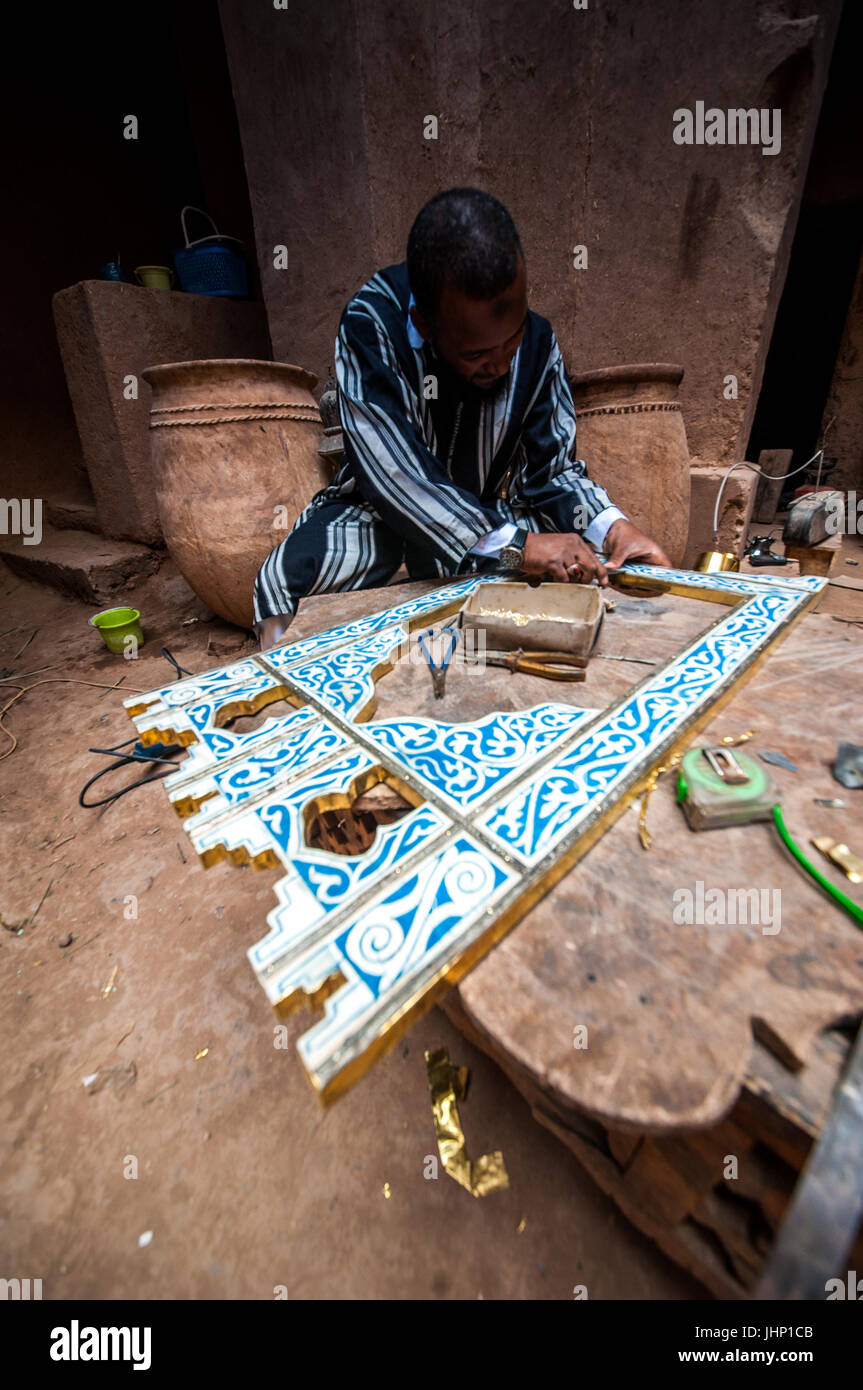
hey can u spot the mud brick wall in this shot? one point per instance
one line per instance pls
(567, 115)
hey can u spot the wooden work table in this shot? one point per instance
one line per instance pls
(703, 1041)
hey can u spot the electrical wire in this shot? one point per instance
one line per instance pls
(756, 468)
(49, 680)
(139, 754)
(836, 893)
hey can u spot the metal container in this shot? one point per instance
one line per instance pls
(549, 617)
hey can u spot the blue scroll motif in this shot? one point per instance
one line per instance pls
(542, 812)
(334, 878)
(282, 816)
(224, 743)
(343, 682)
(238, 782)
(211, 683)
(404, 927)
(204, 714)
(464, 763)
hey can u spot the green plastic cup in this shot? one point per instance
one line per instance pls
(116, 625)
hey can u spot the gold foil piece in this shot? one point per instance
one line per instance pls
(448, 1085)
(850, 863)
(732, 740)
(203, 1052)
(644, 834)
(522, 619)
(387, 1191)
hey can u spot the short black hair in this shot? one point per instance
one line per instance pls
(466, 238)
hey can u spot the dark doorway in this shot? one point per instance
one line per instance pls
(822, 270)
(79, 193)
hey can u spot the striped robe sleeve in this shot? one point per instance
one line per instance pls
(551, 481)
(396, 471)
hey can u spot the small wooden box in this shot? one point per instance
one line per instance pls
(550, 617)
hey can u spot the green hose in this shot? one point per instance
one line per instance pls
(849, 906)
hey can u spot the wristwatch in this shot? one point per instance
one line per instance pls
(511, 558)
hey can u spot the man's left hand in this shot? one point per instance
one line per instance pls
(625, 543)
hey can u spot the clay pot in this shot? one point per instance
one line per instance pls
(630, 434)
(234, 444)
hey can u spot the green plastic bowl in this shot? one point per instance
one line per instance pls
(115, 625)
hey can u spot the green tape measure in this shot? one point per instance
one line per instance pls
(716, 787)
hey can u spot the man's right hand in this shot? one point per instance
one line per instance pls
(562, 556)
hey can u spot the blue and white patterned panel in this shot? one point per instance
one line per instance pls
(344, 681)
(221, 746)
(407, 613)
(252, 778)
(279, 762)
(204, 714)
(551, 806)
(218, 750)
(215, 748)
(197, 688)
(277, 824)
(318, 884)
(392, 949)
(464, 764)
(728, 580)
(201, 714)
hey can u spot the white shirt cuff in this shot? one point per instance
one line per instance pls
(598, 528)
(494, 541)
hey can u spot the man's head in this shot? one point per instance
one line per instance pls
(466, 271)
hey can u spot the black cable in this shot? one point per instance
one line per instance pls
(139, 754)
(181, 670)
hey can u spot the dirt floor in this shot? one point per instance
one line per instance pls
(243, 1183)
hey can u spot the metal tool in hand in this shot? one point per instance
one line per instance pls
(438, 673)
(553, 666)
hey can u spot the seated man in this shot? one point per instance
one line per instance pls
(459, 431)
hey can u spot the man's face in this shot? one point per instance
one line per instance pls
(478, 337)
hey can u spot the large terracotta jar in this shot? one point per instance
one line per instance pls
(630, 434)
(234, 444)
